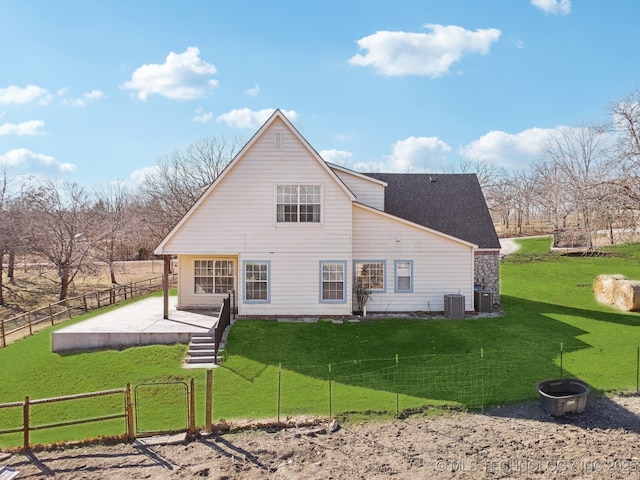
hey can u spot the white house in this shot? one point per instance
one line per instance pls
(291, 234)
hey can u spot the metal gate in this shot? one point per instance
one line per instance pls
(161, 408)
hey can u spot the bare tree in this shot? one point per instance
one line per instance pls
(550, 194)
(579, 154)
(180, 177)
(626, 123)
(113, 206)
(5, 232)
(63, 228)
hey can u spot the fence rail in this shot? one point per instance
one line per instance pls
(26, 413)
(27, 407)
(26, 324)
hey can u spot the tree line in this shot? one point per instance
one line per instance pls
(75, 229)
(585, 179)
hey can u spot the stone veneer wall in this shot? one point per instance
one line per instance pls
(487, 272)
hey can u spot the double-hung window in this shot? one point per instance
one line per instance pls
(404, 276)
(370, 275)
(256, 281)
(298, 203)
(213, 276)
(332, 282)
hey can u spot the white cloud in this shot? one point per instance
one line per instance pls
(85, 98)
(509, 150)
(253, 91)
(430, 54)
(141, 173)
(28, 94)
(20, 129)
(418, 154)
(202, 116)
(183, 76)
(246, 118)
(67, 167)
(23, 158)
(337, 157)
(556, 7)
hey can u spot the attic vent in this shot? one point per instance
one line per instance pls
(277, 140)
(433, 179)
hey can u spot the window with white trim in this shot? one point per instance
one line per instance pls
(370, 274)
(298, 203)
(332, 284)
(256, 281)
(404, 276)
(213, 276)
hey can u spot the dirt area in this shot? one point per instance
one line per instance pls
(510, 442)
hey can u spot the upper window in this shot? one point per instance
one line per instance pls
(298, 203)
(404, 276)
(370, 275)
(213, 276)
(332, 284)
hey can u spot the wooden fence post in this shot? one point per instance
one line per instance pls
(66, 302)
(4, 339)
(192, 408)
(51, 314)
(209, 395)
(29, 321)
(84, 301)
(129, 412)
(25, 423)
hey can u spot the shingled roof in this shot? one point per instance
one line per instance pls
(450, 203)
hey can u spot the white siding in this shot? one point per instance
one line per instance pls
(237, 219)
(367, 192)
(440, 265)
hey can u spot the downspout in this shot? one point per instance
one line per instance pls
(165, 284)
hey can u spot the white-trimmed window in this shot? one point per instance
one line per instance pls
(332, 282)
(298, 203)
(256, 281)
(370, 274)
(404, 276)
(213, 276)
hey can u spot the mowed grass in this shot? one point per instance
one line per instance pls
(273, 368)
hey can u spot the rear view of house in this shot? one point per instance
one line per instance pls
(293, 235)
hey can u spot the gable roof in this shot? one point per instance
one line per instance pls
(450, 203)
(277, 114)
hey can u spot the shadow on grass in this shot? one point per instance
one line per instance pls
(478, 361)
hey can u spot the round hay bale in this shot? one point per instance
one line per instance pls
(603, 287)
(626, 295)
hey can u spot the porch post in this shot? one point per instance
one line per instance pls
(165, 284)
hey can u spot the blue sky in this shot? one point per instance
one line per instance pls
(95, 91)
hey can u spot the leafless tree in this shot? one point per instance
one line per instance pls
(113, 206)
(626, 125)
(579, 155)
(5, 233)
(180, 177)
(62, 227)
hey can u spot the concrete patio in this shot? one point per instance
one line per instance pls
(139, 323)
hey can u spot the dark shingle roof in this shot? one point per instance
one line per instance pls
(449, 203)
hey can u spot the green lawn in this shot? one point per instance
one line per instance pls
(383, 365)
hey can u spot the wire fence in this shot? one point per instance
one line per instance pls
(393, 386)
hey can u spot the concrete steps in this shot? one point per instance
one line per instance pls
(202, 351)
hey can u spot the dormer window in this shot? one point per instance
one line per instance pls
(298, 203)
